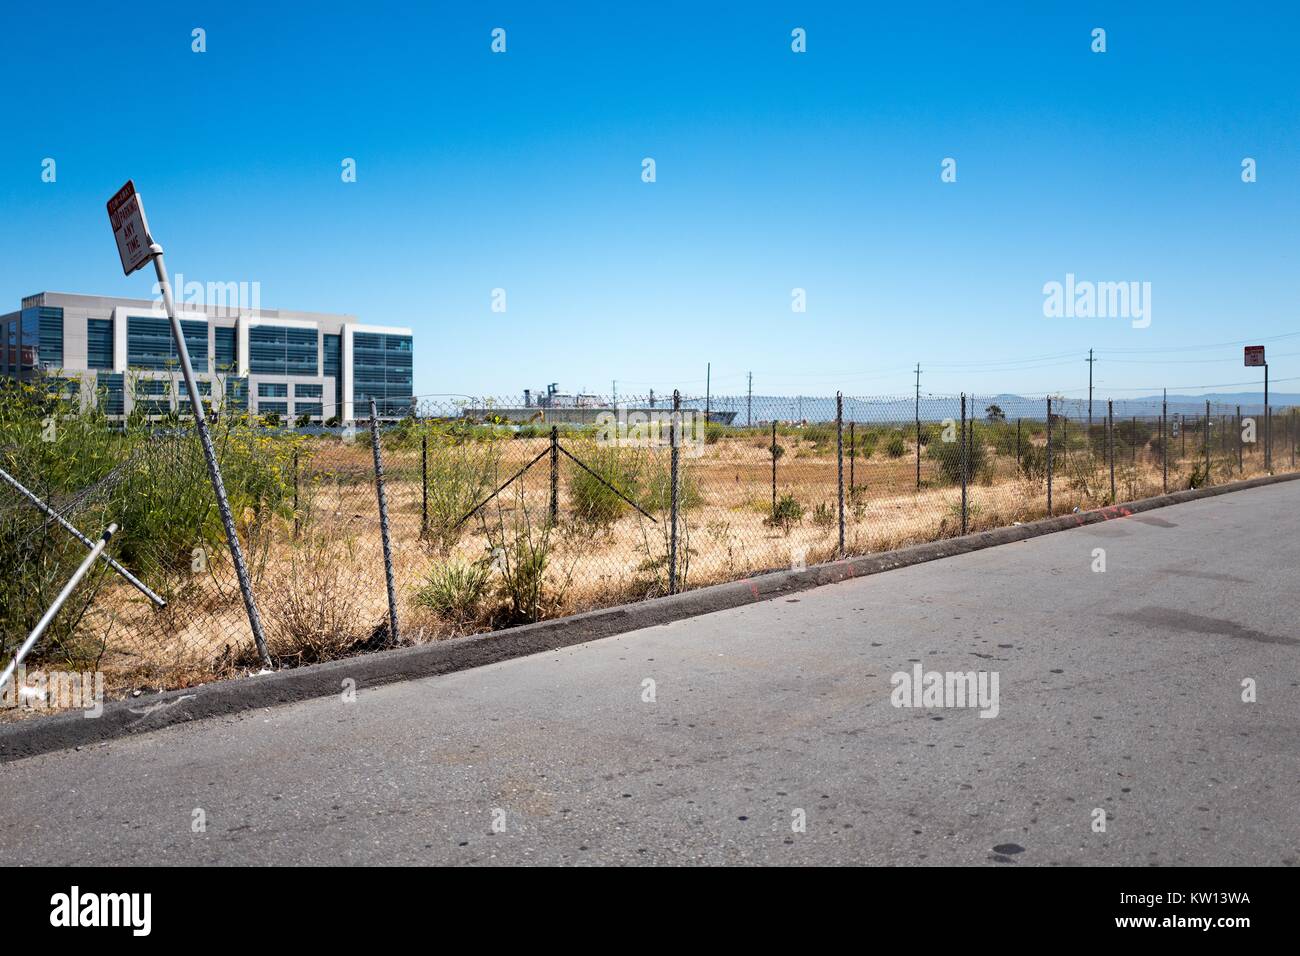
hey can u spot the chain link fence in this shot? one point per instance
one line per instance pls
(505, 511)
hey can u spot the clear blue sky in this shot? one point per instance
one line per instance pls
(775, 170)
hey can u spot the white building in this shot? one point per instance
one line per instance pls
(120, 353)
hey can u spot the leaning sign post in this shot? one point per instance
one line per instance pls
(136, 247)
(1255, 359)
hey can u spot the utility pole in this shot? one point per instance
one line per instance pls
(1091, 360)
(614, 386)
(749, 402)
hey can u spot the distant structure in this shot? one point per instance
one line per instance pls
(554, 398)
(554, 407)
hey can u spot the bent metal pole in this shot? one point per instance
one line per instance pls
(71, 529)
(54, 608)
(214, 469)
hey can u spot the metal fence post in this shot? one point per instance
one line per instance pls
(1241, 461)
(839, 460)
(961, 461)
(1110, 433)
(918, 441)
(1049, 457)
(1268, 438)
(297, 523)
(393, 633)
(424, 486)
(1164, 449)
(210, 456)
(1207, 443)
(555, 475)
(774, 470)
(675, 433)
(96, 550)
(1018, 455)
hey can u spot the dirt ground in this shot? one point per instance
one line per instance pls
(321, 585)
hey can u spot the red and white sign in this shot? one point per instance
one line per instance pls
(130, 228)
(1254, 355)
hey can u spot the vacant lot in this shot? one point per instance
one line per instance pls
(319, 565)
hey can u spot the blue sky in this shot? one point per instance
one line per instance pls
(775, 171)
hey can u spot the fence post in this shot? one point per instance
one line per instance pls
(1291, 426)
(424, 486)
(675, 433)
(1018, 456)
(839, 460)
(555, 475)
(1207, 442)
(1164, 449)
(774, 471)
(918, 441)
(210, 457)
(1268, 438)
(962, 462)
(1110, 433)
(393, 633)
(1049, 457)
(297, 524)
(1241, 462)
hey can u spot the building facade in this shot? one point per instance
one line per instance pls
(119, 354)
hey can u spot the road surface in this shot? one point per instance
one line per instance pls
(1119, 691)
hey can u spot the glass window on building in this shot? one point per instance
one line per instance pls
(149, 343)
(99, 343)
(332, 347)
(301, 352)
(50, 337)
(29, 331)
(277, 350)
(225, 348)
(307, 408)
(111, 394)
(61, 388)
(273, 408)
(272, 390)
(306, 390)
(381, 369)
(153, 396)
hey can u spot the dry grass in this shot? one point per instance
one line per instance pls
(322, 593)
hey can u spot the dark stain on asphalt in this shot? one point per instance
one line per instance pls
(1008, 848)
(1106, 530)
(1153, 521)
(1170, 619)
(1204, 575)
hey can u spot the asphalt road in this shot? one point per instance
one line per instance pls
(1118, 691)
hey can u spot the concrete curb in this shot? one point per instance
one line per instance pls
(140, 715)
